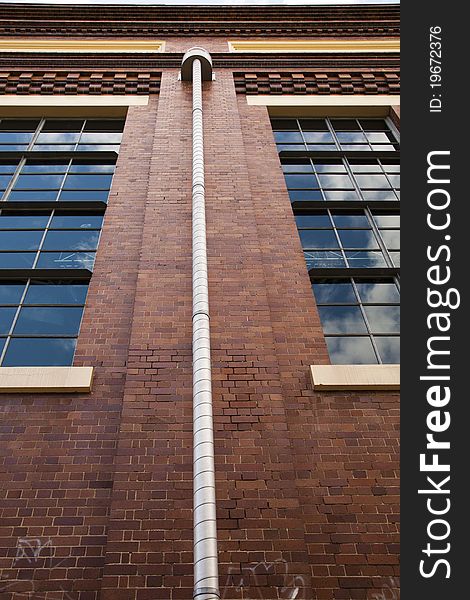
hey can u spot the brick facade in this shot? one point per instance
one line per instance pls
(307, 483)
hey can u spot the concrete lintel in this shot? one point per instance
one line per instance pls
(355, 377)
(45, 379)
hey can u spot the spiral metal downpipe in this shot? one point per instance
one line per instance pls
(196, 67)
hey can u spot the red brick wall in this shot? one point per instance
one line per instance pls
(306, 482)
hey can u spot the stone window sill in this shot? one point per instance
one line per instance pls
(45, 379)
(355, 377)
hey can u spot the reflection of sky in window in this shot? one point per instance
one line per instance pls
(383, 319)
(342, 319)
(351, 350)
(32, 352)
(389, 349)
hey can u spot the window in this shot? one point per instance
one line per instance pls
(343, 179)
(39, 321)
(55, 177)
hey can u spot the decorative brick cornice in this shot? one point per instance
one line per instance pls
(55, 82)
(144, 21)
(319, 82)
(222, 60)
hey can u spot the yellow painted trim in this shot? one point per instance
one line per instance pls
(326, 105)
(324, 100)
(80, 46)
(45, 379)
(76, 100)
(317, 45)
(355, 377)
(68, 106)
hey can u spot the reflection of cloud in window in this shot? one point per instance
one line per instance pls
(351, 350)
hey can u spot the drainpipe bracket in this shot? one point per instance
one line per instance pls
(212, 592)
(186, 73)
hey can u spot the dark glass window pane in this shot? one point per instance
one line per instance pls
(377, 291)
(20, 240)
(318, 220)
(284, 124)
(351, 350)
(288, 137)
(356, 219)
(6, 319)
(76, 221)
(71, 240)
(12, 220)
(19, 124)
(57, 125)
(305, 195)
(383, 319)
(342, 319)
(17, 260)
(11, 292)
(88, 195)
(301, 181)
(116, 125)
(88, 182)
(2, 344)
(358, 238)
(313, 125)
(374, 124)
(56, 293)
(32, 352)
(367, 260)
(318, 238)
(334, 292)
(290, 147)
(296, 166)
(66, 260)
(48, 321)
(389, 349)
(34, 182)
(345, 124)
(32, 196)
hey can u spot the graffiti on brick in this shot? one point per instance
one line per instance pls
(390, 591)
(32, 553)
(252, 578)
